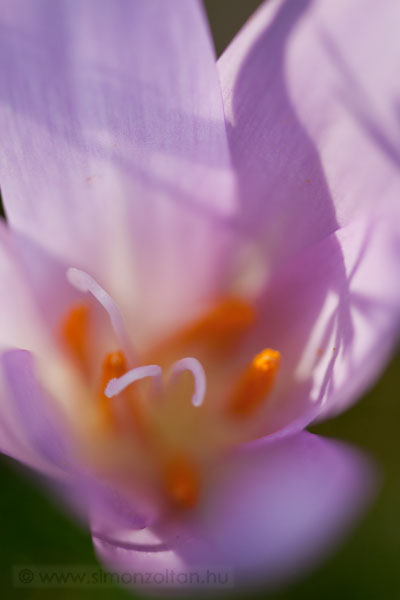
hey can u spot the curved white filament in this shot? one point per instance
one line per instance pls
(200, 381)
(116, 385)
(85, 283)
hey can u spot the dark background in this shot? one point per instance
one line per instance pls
(33, 530)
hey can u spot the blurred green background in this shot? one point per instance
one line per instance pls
(33, 530)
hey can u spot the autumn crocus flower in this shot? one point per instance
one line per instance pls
(189, 279)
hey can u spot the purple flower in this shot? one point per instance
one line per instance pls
(189, 279)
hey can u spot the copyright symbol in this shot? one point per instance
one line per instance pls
(25, 576)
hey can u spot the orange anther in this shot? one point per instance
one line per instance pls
(232, 315)
(114, 365)
(182, 482)
(131, 414)
(74, 332)
(218, 330)
(254, 384)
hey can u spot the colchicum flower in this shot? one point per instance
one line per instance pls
(189, 278)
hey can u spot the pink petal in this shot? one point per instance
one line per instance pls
(34, 296)
(273, 511)
(113, 140)
(20, 323)
(311, 94)
(334, 314)
(25, 319)
(28, 418)
(32, 432)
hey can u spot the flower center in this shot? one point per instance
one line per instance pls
(180, 412)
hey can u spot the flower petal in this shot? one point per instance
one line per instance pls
(32, 432)
(272, 511)
(20, 323)
(28, 416)
(113, 140)
(334, 314)
(312, 99)
(28, 307)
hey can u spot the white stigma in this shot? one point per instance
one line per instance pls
(200, 381)
(85, 283)
(118, 384)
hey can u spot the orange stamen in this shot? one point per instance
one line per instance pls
(74, 332)
(230, 315)
(219, 329)
(134, 414)
(255, 384)
(182, 482)
(114, 365)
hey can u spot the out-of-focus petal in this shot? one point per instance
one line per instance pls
(32, 431)
(334, 314)
(34, 294)
(106, 503)
(20, 323)
(113, 136)
(93, 499)
(312, 99)
(28, 418)
(272, 510)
